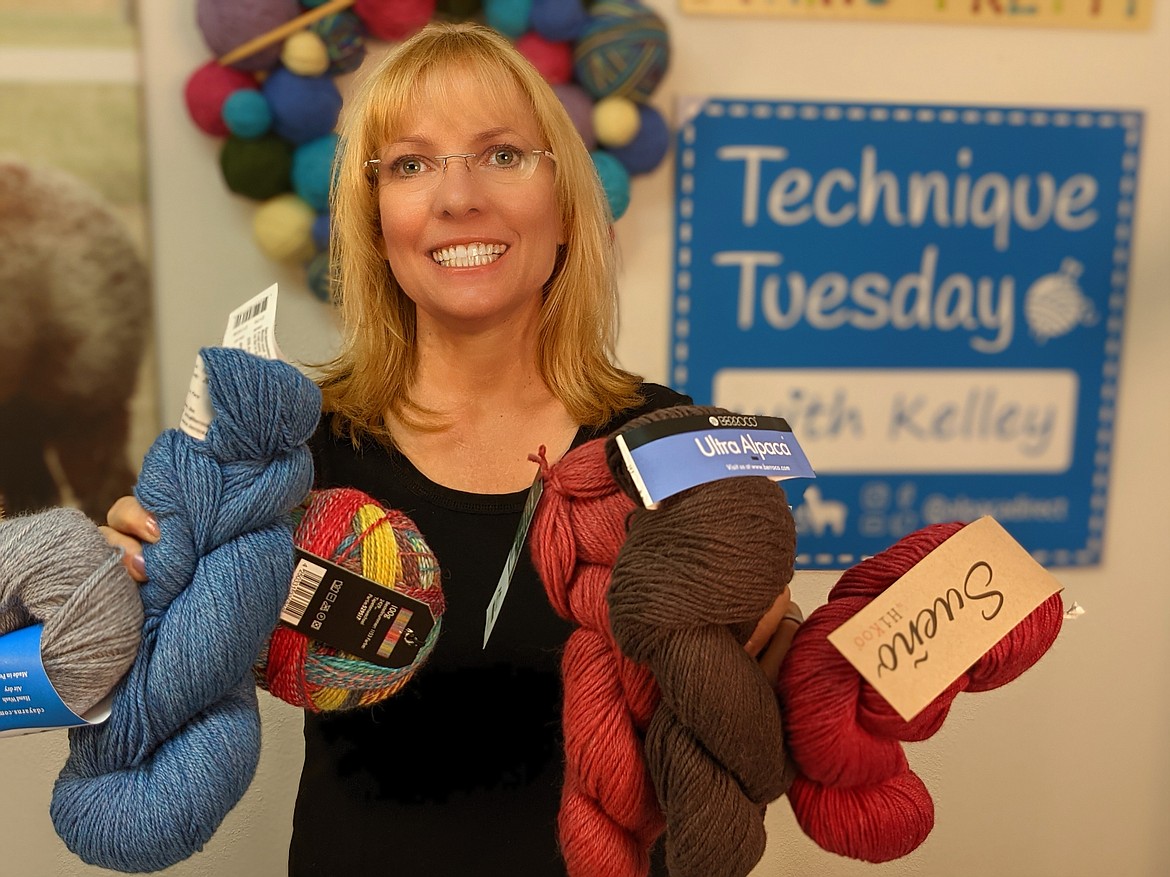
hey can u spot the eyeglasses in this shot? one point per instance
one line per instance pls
(420, 173)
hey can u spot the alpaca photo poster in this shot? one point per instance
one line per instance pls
(77, 407)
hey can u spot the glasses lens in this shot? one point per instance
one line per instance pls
(416, 173)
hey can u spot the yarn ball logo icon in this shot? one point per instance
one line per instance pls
(1055, 304)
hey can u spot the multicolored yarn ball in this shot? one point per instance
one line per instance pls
(283, 228)
(559, 19)
(312, 170)
(226, 24)
(257, 167)
(509, 17)
(616, 120)
(303, 107)
(318, 277)
(206, 91)
(305, 54)
(554, 60)
(395, 20)
(344, 36)
(648, 147)
(349, 528)
(614, 179)
(579, 106)
(246, 113)
(623, 50)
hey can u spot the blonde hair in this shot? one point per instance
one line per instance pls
(374, 371)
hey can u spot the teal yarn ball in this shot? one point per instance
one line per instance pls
(509, 17)
(246, 113)
(615, 179)
(646, 151)
(258, 167)
(623, 50)
(312, 167)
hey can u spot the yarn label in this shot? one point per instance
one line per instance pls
(497, 601)
(669, 456)
(340, 608)
(250, 327)
(944, 614)
(28, 701)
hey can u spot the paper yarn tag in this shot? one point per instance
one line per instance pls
(250, 327)
(28, 701)
(944, 614)
(348, 611)
(666, 457)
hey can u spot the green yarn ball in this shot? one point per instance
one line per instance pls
(257, 168)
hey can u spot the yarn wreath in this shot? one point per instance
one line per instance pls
(271, 97)
(349, 528)
(855, 794)
(667, 720)
(151, 785)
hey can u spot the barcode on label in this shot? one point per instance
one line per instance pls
(258, 308)
(306, 577)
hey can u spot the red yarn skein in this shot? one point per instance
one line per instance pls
(609, 814)
(855, 793)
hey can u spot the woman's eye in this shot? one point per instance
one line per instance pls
(408, 166)
(504, 156)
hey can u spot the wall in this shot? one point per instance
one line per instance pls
(1065, 772)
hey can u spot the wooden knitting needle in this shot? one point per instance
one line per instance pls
(277, 34)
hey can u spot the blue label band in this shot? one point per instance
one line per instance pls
(28, 701)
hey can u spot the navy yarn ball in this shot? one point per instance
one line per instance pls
(317, 274)
(559, 20)
(321, 231)
(303, 107)
(646, 151)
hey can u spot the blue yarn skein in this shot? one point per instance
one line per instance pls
(150, 786)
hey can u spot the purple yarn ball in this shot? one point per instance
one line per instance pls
(579, 106)
(226, 24)
(559, 20)
(312, 170)
(644, 153)
(303, 107)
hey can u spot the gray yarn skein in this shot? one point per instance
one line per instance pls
(57, 569)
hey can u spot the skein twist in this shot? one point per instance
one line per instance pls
(150, 786)
(690, 583)
(609, 816)
(349, 528)
(855, 794)
(56, 569)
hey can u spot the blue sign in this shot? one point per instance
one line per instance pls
(931, 296)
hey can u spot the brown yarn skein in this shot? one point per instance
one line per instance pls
(690, 583)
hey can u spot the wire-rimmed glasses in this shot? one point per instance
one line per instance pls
(500, 163)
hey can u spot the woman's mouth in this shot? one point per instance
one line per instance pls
(468, 255)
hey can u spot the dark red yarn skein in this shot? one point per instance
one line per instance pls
(609, 816)
(855, 793)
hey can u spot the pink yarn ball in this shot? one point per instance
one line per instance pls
(579, 105)
(207, 88)
(394, 19)
(554, 60)
(226, 24)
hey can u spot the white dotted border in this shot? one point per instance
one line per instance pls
(1123, 233)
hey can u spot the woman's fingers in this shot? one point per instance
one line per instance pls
(129, 525)
(778, 646)
(768, 624)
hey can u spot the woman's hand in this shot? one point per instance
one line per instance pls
(129, 525)
(769, 642)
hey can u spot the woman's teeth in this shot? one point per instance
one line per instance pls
(468, 255)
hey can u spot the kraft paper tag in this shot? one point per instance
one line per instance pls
(943, 615)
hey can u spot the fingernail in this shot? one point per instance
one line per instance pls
(138, 563)
(152, 525)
